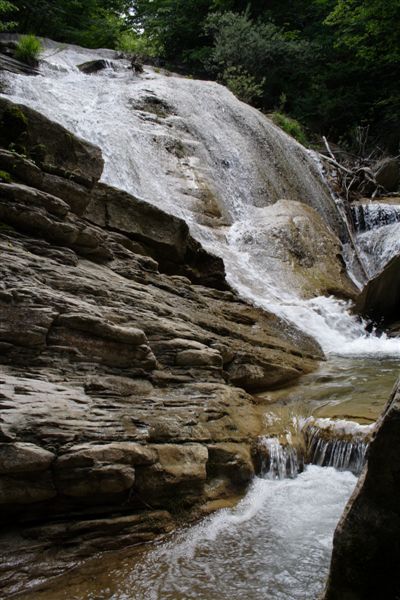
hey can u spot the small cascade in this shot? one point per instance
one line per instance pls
(339, 444)
(374, 215)
(279, 461)
(323, 442)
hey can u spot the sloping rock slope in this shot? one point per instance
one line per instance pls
(366, 548)
(126, 360)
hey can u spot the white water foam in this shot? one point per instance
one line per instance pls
(270, 546)
(199, 153)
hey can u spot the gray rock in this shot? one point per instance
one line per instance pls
(96, 481)
(178, 474)
(11, 64)
(53, 147)
(168, 237)
(23, 458)
(94, 66)
(231, 461)
(387, 174)
(366, 550)
(380, 297)
(25, 490)
(25, 325)
(85, 455)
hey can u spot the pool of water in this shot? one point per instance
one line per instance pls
(351, 388)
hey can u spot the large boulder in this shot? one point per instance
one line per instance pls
(166, 237)
(11, 64)
(380, 298)
(387, 174)
(298, 248)
(94, 66)
(366, 549)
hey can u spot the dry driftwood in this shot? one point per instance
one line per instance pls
(354, 176)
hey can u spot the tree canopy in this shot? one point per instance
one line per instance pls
(331, 64)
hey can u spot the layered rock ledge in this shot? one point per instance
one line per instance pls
(126, 361)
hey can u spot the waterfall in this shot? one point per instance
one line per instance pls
(374, 215)
(323, 442)
(339, 444)
(193, 149)
(279, 461)
(378, 227)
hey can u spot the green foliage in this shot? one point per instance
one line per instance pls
(28, 49)
(140, 44)
(94, 23)
(243, 85)
(5, 177)
(6, 8)
(273, 58)
(290, 126)
(177, 25)
(369, 28)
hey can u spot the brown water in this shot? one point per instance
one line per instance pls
(349, 388)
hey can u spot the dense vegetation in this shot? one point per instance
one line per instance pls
(333, 65)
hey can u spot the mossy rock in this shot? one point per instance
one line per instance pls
(13, 128)
(5, 177)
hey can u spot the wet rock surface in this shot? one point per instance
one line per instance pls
(300, 250)
(366, 544)
(120, 361)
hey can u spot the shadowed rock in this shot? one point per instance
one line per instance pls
(57, 151)
(94, 66)
(366, 550)
(380, 298)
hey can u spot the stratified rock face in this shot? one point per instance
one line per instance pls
(118, 381)
(366, 548)
(26, 131)
(380, 298)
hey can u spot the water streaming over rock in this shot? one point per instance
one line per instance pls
(324, 442)
(339, 444)
(270, 547)
(193, 149)
(280, 461)
(374, 215)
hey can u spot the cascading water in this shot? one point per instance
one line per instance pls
(325, 442)
(374, 215)
(194, 150)
(378, 233)
(339, 444)
(282, 460)
(270, 547)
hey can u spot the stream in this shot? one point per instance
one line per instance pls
(276, 543)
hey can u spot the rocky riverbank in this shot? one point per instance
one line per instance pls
(126, 360)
